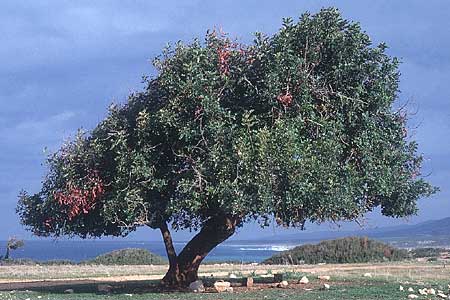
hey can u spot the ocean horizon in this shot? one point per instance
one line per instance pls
(81, 250)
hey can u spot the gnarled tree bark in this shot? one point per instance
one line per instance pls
(183, 269)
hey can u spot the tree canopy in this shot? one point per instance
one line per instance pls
(294, 127)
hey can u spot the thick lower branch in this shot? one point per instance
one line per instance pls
(184, 267)
(214, 232)
(170, 249)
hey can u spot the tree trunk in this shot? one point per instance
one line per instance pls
(215, 231)
(171, 255)
(7, 253)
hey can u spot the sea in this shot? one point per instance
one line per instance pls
(80, 250)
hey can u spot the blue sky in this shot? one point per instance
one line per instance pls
(63, 62)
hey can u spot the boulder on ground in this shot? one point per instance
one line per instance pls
(69, 291)
(284, 283)
(401, 288)
(431, 291)
(412, 296)
(326, 286)
(423, 291)
(442, 295)
(304, 280)
(232, 276)
(197, 286)
(248, 282)
(223, 286)
(367, 275)
(410, 289)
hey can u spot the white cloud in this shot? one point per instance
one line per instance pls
(39, 133)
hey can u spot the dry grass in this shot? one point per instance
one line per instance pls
(412, 271)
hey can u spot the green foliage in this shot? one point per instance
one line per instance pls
(346, 250)
(12, 244)
(31, 262)
(131, 256)
(428, 252)
(297, 126)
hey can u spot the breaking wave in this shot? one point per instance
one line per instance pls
(277, 248)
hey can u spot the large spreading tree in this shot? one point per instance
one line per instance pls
(295, 127)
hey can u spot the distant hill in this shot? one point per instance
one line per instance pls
(128, 256)
(344, 250)
(432, 233)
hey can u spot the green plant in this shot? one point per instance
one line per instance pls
(12, 244)
(132, 256)
(345, 250)
(293, 127)
(427, 252)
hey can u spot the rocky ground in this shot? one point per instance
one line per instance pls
(353, 281)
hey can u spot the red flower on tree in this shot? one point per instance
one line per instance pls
(79, 200)
(285, 99)
(48, 223)
(224, 56)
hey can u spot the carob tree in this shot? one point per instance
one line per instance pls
(295, 127)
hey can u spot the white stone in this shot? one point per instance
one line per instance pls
(304, 280)
(326, 286)
(423, 291)
(442, 295)
(232, 276)
(197, 286)
(401, 288)
(367, 275)
(431, 291)
(284, 283)
(69, 291)
(249, 282)
(410, 289)
(222, 286)
(412, 296)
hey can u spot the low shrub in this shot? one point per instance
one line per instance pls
(427, 252)
(345, 250)
(130, 256)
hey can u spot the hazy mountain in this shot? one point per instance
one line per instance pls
(433, 233)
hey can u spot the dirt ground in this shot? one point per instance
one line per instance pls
(23, 277)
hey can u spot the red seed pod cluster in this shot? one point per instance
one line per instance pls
(48, 223)
(405, 132)
(285, 99)
(224, 54)
(81, 200)
(198, 112)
